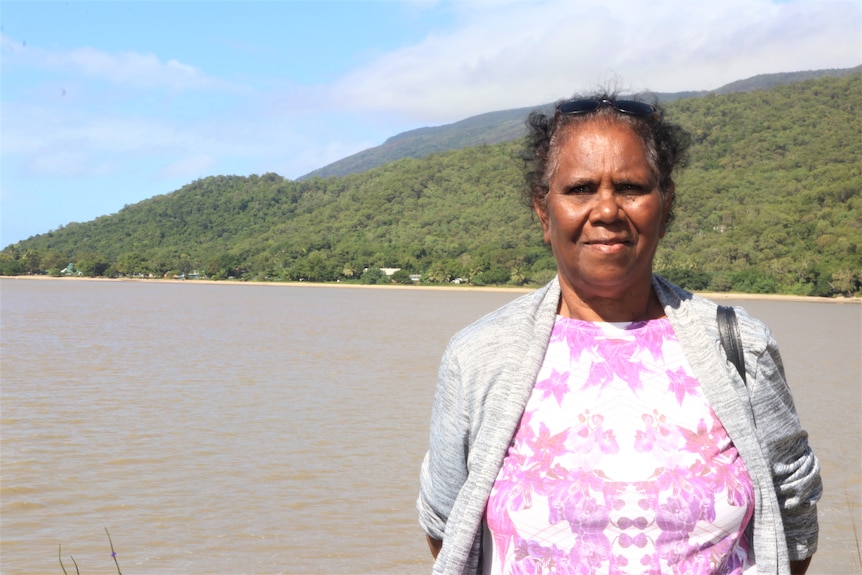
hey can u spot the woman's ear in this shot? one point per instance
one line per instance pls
(668, 195)
(542, 212)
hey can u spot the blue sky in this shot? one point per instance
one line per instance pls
(104, 104)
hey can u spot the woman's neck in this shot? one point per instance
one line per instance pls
(623, 308)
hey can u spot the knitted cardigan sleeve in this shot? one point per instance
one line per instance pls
(795, 470)
(444, 470)
(485, 379)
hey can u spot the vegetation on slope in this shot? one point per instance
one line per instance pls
(490, 128)
(770, 203)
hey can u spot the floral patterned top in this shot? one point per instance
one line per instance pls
(619, 465)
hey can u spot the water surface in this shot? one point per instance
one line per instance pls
(276, 429)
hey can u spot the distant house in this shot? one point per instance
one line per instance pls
(70, 270)
(390, 271)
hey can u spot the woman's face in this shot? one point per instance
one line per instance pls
(604, 214)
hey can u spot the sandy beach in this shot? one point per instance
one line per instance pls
(718, 296)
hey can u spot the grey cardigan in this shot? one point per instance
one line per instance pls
(487, 375)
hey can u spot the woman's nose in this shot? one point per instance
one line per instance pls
(606, 208)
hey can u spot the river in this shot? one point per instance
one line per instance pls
(279, 429)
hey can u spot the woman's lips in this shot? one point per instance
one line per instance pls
(609, 246)
(608, 242)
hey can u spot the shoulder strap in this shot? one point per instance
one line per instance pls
(728, 331)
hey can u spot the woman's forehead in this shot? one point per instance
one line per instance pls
(583, 134)
(618, 127)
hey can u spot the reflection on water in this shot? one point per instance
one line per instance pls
(272, 429)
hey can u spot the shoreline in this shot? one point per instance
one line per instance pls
(300, 284)
(498, 289)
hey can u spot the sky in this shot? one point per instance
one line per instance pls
(105, 104)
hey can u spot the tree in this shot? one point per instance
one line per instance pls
(401, 277)
(694, 280)
(132, 264)
(10, 265)
(846, 282)
(31, 262)
(92, 264)
(371, 276)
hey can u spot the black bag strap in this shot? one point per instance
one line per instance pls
(728, 331)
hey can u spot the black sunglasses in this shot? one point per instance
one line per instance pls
(633, 107)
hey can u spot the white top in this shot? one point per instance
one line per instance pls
(619, 465)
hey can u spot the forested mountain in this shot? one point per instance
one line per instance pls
(508, 125)
(490, 128)
(771, 202)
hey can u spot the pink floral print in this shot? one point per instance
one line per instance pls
(619, 465)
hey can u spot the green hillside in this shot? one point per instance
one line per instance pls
(490, 128)
(770, 203)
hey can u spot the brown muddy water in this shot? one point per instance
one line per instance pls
(279, 429)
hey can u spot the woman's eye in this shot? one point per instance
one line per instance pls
(630, 188)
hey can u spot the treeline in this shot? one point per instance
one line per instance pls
(770, 203)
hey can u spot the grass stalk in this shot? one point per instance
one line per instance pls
(63, 567)
(855, 530)
(113, 553)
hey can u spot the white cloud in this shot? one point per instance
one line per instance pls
(132, 68)
(43, 141)
(527, 53)
(27, 128)
(65, 160)
(125, 68)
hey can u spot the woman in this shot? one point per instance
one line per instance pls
(595, 425)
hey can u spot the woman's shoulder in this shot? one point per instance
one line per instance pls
(513, 321)
(754, 332)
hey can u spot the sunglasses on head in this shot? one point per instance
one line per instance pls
(633, 107)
